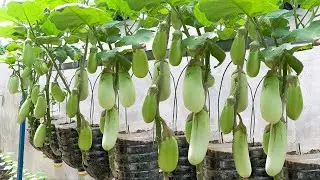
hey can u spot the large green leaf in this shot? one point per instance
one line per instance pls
(74, 15)
(306, 34)
(49, 28)
(4, 16)
(294, 63)
(273, 55)
(110, 32)
(137, 5)
(54, 3)
(54, 40)
(26, 11)
(142, 36)
(200, 16)
(195, 44)
(120, 5)
(307, 4)
(13, 31)
(179, 2)
(278, 14)
(217, 9)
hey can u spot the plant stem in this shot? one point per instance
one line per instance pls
(97, 37)
(207, 71)
(314, 12)
(305, 15)
(47, 91)
(198, 31)
(79, 86)
(284, 84)
(185, 29)
(51, 58)
(263, 42)
(295, 14)
(199, 171)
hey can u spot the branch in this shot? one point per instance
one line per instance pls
(185, 29)
(256, 24)
(51, 58)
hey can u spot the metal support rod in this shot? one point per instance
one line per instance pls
(21, 148)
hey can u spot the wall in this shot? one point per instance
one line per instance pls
(304, 130)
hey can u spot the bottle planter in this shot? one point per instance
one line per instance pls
(219, 163)
(258, 161)
(51, 147)
(67, 136)
(96, 161)
(304, 166)
(136, 156)
(33, 124)
(184, 169)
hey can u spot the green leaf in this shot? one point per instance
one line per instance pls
(71, 39)
(137, 5)
(307, 4)
(54, 3)
(217, 9)
(150, 22)
(13, 31)
(277, 14)
(194, 44)
(303, 47)
(107, 57)
(294, 63)
(226, 33)
(4, 15)
(200, 16)
(26, 11)
(49, 28)
(141, 36)
(120, 5)
(54, 40)
(9, 58)
(112, 24)
(110, 32)
(179, 2)
(75, 15)
(273, 55)
(306, 34)
(12, 46)
(61, 55)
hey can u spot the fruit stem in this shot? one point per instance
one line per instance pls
(207, 71)
(284, 84)
(199, 171)
(166, 130)
(47, 95)
(158, 83)
(185, 29)
(81, 69)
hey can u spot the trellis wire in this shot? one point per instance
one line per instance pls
(175, 94)
(252, 113)
(174, 125)
(92, 106)
(254, 97)
(91, 103)
(219, 94)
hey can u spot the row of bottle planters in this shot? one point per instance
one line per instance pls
(135, 156)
